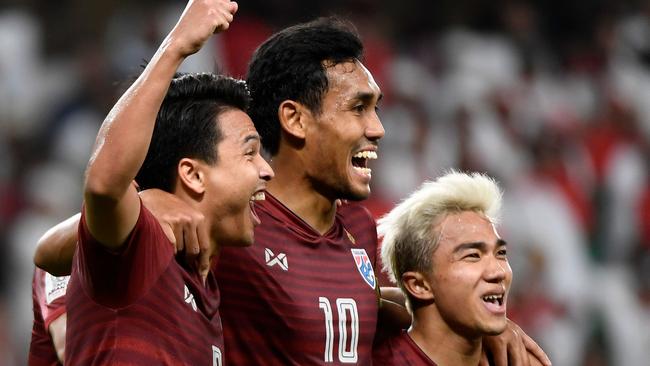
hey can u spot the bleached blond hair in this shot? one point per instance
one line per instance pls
(409, 228)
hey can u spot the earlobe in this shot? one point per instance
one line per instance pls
(417, 285)
(292, 118)
(191, 175)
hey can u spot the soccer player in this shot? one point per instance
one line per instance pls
(441, 246)
(48, 333)
(129, 300)
(305, 293)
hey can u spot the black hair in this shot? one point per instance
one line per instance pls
(187, 125)
(289, 65)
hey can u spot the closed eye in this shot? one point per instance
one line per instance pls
(473, 255)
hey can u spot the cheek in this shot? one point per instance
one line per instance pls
(455, 284)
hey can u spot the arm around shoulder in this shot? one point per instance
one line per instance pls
(56, 247)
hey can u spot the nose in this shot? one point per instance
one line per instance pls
(374, 130)
(265, 170)
(497, 270)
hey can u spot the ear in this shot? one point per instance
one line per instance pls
(417, 285)
(191, 175)
(292, 117)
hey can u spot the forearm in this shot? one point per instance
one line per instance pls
(56, 247)
(125, 135)
(57, 331)
(111, 202)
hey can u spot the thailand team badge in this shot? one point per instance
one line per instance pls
(364, 266)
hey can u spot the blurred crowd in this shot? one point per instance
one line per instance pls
(550, 97)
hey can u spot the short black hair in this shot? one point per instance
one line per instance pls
(289, 65)
(187, 125)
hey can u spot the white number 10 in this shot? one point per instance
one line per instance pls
(344, 307)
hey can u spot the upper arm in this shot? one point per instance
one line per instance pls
(110, 219)
(57, 330)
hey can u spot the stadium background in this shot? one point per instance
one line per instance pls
(550, 97)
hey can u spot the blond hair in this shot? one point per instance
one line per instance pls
(408, 229)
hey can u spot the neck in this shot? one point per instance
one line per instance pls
(292, 187)
(440, 342)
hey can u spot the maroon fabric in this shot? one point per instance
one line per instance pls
(49, 304)
(273, 316)
(140, 306)
(400, 350)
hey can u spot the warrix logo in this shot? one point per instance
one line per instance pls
(189, 298)
(280, 259)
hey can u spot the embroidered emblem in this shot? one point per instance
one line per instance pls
(364, 266)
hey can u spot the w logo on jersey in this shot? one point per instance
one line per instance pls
(271, 259)
(364, 266)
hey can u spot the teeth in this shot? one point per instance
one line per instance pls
(493, 298)
(259, 196)
(366, 171)
(366, 155)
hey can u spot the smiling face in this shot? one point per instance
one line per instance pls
(471, 275)
(237, 179)
(344, 136)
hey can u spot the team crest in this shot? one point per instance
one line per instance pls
(364, 266)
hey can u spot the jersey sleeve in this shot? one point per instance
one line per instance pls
(117, 278)
(41, 349)
(51, 297)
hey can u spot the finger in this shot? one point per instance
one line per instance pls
(222, 25)
(180, 240)
(499, 353)
(204, 243)
(204, 264)
(233, 7)
(517, 350)
(169, 233)
(484, 360)
(535, 350)
(191, 241)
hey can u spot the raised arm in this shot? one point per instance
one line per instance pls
(111, 202)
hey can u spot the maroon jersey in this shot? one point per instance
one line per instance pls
(400, 350)
(297, 297)
(140, 306)
(48, 295)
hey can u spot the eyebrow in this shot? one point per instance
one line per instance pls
(252, 136)
(480, 245)
(366, 97)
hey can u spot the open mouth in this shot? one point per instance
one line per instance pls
(257, 196)
(360, 161)
(494, 299)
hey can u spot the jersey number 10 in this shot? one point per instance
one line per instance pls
(348, 338)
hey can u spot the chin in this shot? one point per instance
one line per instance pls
(356, 194)
(494, 328)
